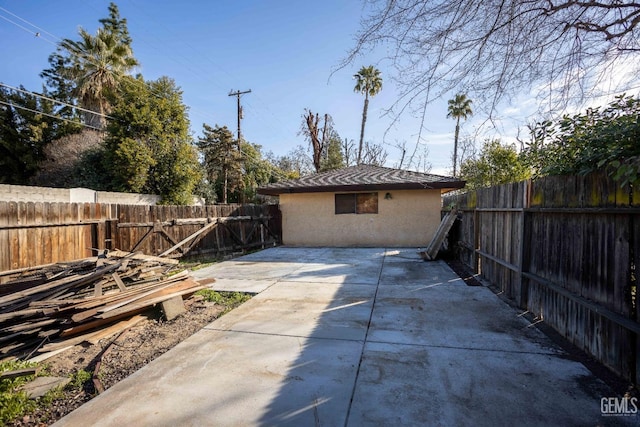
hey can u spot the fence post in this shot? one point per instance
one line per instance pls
(525, 237)
(476, 240)
(111, 234)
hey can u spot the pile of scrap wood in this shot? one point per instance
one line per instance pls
(50, 308)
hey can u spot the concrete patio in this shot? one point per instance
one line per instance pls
(351, 337)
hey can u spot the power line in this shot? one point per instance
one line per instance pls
(56, 101)
(41, 30)
(34, 33)
(49, 115)
(136, 81)
(133, 80)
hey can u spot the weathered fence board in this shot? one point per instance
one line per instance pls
(37, 233)
(565, 248)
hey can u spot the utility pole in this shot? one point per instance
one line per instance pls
(237, 95)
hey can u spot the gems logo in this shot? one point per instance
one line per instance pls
(619, 406)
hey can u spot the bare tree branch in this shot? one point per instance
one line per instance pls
(317, 133)
(493, 50)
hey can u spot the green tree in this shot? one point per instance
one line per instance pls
(459, 108)
(334, 158)
(148, 146)
(497, 164)
(222, 161)
(292, 165)
(116, 25)
(60, 85)
(25, 130)
(369, 83)
(96, 64)
(600, 138)
(258, 171)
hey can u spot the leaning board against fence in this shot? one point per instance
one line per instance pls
(565, 248)
(39, 233)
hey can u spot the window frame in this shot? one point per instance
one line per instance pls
(365, 203)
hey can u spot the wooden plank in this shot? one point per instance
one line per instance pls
(512, 267)
(17, 373)
(186, 240)
(169, 283)
(145, 303)
(444, 227)
(97, 289)
(50, 225)
(173, 307)
(116, 328)
(20, 313)
(144, 238)
(75, 280)
(90, 307)
(24, 327)
(119, 282)
(143, 257)
(596, 308)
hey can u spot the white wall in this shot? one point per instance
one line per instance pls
(25, 193)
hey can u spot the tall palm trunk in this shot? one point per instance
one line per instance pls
(95, 118)
(364, 120)
(455, 146)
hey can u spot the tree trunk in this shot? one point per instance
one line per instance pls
(314, 134)
(95, 120)
(455, 147)
(364, 120)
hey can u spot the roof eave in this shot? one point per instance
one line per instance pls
(444, 186)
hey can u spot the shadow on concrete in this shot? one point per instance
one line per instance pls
(351, 337)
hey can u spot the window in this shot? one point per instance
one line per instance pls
(357, 203)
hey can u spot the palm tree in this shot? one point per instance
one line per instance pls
(369, 83)
(459, 108)
(98, 64)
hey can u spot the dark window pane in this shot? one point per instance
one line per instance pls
(367, 203)
(345, 203)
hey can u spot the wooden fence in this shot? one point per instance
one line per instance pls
(34, 234)
(564, 248)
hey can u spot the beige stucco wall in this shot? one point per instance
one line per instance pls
(409, 219)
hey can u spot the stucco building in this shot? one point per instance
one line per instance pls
(361, 206)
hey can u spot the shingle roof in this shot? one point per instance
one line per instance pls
(362, 178)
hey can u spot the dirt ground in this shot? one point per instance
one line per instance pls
(119, 356)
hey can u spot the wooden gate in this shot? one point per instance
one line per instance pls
(176, 231)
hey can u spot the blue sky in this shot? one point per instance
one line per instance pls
(283, 50)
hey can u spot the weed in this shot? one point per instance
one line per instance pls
(51, 396)
(197, 262)
(229, 300)
(79, 378)
(14, 403)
